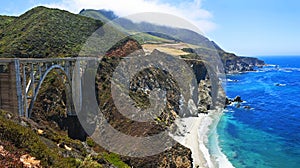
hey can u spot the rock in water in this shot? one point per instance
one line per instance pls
(228, 101)
(247, 107)
(238, 99)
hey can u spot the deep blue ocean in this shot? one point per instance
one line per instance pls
(268, 134)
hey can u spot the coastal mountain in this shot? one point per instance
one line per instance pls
(43, 33)
(158, 32)
(155, 33)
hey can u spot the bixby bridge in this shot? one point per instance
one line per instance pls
(22, 78)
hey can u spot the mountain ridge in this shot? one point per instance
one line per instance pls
(232, 63)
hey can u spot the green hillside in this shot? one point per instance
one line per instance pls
(43, 32)
(5, 21)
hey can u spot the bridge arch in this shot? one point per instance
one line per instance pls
(68, 86)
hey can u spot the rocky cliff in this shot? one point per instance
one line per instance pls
(234, 64)
(140, 87)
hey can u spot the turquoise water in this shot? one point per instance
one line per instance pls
(267, 135)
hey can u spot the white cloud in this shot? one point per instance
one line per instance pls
(189, 10)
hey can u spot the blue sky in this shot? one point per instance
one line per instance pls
(245, 27)
(257, 27)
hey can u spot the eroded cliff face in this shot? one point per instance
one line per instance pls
(141, 85)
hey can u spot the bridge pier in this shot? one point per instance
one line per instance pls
(9, 87)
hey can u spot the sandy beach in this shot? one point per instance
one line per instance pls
(195, 136)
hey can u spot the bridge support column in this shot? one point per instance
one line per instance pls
(18, 87)
(11, 88)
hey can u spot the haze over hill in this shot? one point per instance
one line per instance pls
(162, 34)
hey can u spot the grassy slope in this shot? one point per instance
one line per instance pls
(44, 148)
(5, 21)
(43, 32)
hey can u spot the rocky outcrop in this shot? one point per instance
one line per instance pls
(124, 48)
(242, 64)
(235, 64)
(231, 62)
(236, 102)
(252, 61)
(205, 99)
(238, 99)
(229, 101)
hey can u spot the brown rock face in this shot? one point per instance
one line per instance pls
(124, 48)
(151, 78)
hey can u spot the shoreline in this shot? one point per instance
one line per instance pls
(219, 158)
(196, 139)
